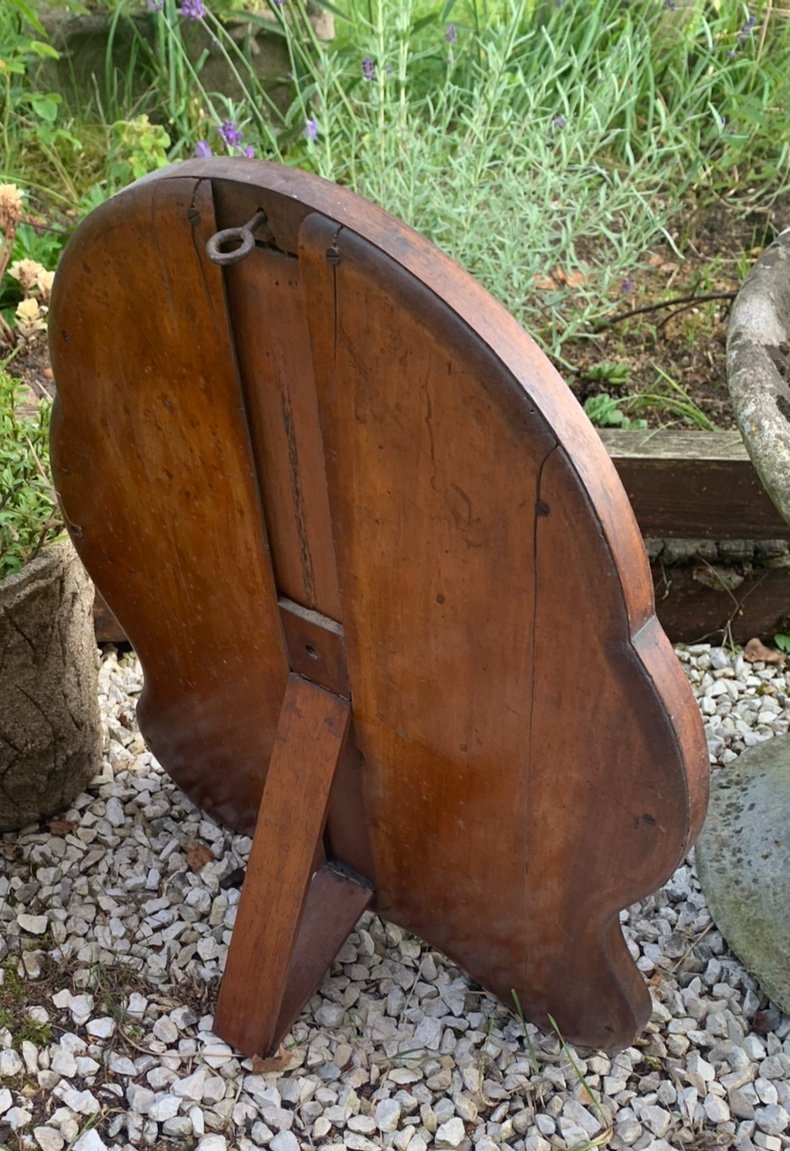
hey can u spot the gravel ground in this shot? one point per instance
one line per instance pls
(116, 918)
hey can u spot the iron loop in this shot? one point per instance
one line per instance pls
(242, 238)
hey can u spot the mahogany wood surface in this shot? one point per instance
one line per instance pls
(405, 484)
(334, 904)
(681, 484)
(150, 445)
(313, 725)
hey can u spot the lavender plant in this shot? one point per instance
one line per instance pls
(519, 137)
(527, 137)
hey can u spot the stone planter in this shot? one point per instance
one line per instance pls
(50, 738)
(744, 851)
(83, 41)
(758, 369)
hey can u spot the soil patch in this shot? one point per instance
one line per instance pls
(664, 362)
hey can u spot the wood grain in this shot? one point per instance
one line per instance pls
(482, 580)
(153, 468)
(316, 646)
(273, 350)
(310, 735)
(334, 903)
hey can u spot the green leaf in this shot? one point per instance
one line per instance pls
(45, 106)
(423, 22)
(603, 411)
(40, 48)
(29, 14)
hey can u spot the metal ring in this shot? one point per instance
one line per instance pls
(244, 238)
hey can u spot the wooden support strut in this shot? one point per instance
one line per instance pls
(295, 910)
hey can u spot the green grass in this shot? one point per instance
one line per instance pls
(521, 137)
(28, 517)
(14, 1003)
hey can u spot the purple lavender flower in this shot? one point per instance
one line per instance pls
(451, 35)
(155, 5)
(202, 150)
(279, 3)
(746, 29)
(193, 9)
(311, 129)
(628, 285)
(368, 68)
(249, 152)
(560, 121)
(230, 133)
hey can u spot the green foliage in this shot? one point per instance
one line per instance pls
(606, 412)
(138, 147)
(521, 136)
(613, 373)
(782, 641)
(27, 502)
(668, 402)
(530, 1046)
(518, 137)
(588, 1096)
(44, 246)
(14, 1002)
(672, 399)
(30, 130)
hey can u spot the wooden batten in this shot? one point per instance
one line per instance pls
(693, 485)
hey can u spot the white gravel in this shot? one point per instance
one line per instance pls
(112, 944)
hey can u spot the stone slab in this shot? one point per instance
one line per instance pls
(743, 856)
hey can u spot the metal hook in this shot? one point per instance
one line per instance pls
(242, 238)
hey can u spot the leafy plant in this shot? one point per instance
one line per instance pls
(24, 294)
(519, 136)
(28, 517)
(613, 373)
(14, 1008)
(513, 135)
(782, 641)
(138, 147)
(607, 412)
(31, 135)
(671, 398)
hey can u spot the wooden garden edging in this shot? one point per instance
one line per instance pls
(693, 485)
(703, 486)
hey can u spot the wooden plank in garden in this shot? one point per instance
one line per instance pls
(694, 605)
(693, 485)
